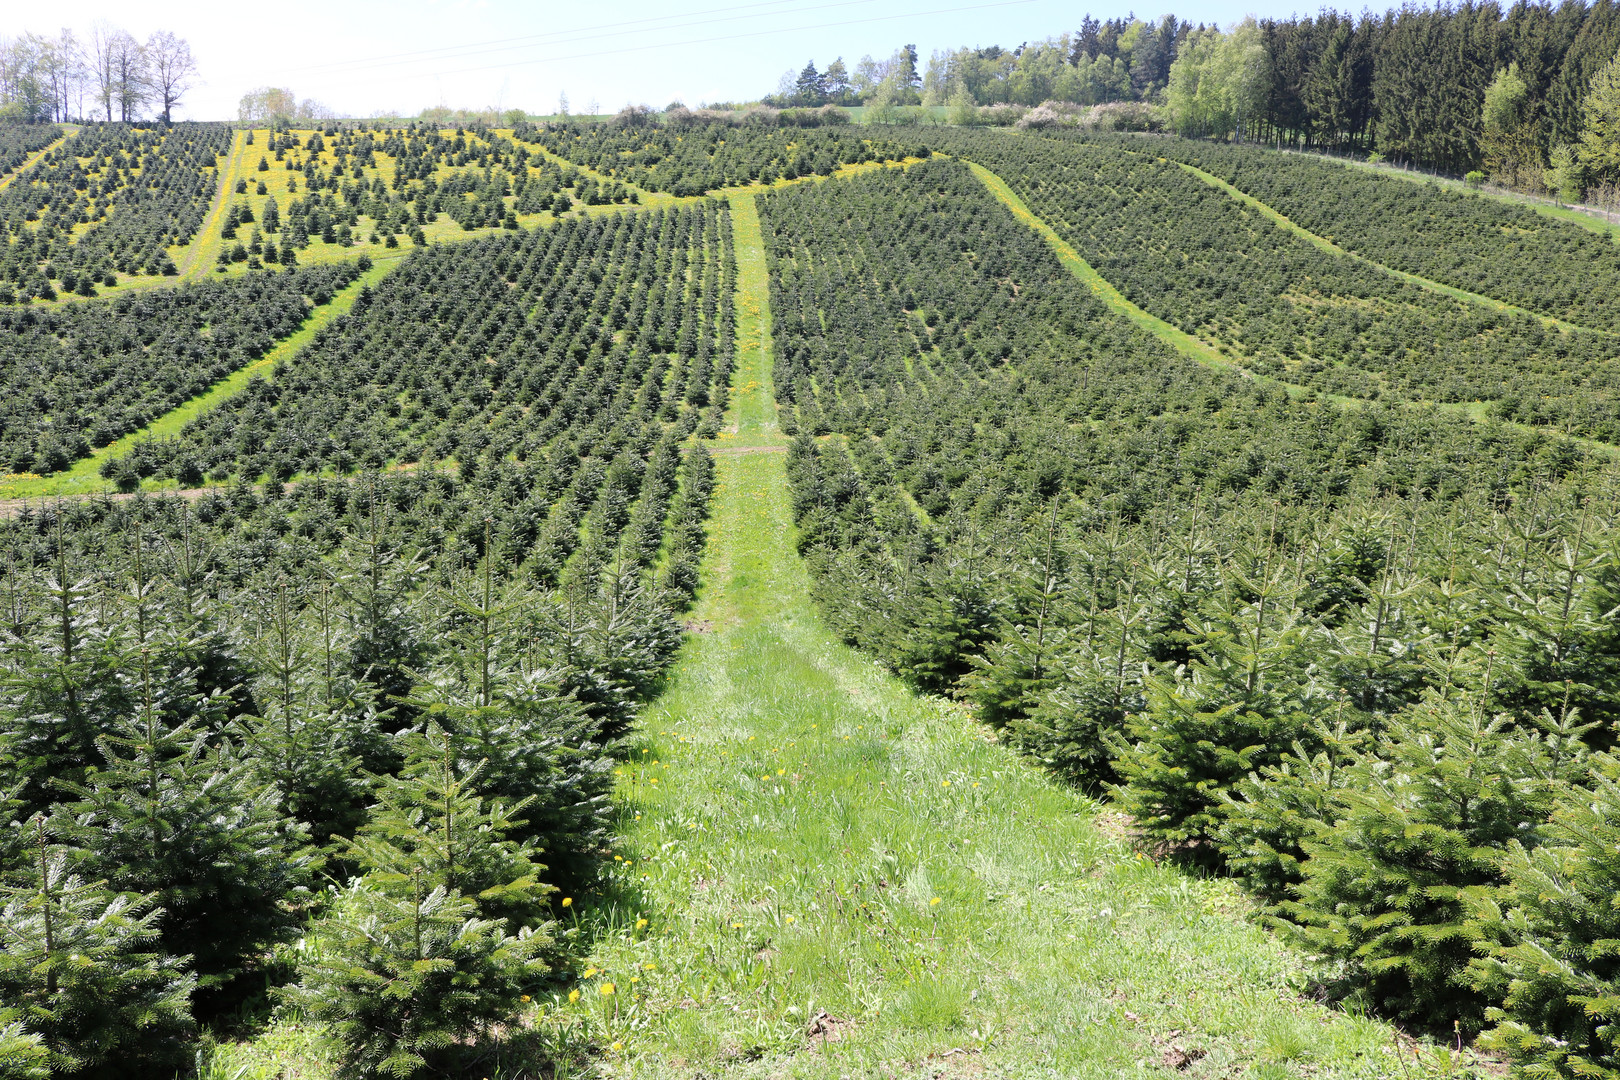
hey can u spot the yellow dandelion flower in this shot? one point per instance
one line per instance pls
(649, 967)
(635, 978)
(568, 901)
(790, 918)
(524, 998)
(618, 1046)
(590, 971)
(736, 926)
(640, 923)
(934, 902)
(573, 996)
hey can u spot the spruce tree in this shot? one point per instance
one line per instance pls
(1424, 820)
(405, 968)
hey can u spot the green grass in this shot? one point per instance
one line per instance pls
(1192, 348)
(84, 477)
(1322, 243)
(753, 403)
(804, 835)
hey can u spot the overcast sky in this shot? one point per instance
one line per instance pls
(365, 56)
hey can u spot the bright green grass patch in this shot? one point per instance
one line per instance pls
(753, 400)
(85, 478)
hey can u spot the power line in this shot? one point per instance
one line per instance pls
(581, 33)
(732, 37)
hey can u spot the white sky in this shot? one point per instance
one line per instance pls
(365, 56)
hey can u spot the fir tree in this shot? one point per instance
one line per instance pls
(195, 827)
(79, 969)
(1549, 938)
(1424, 820)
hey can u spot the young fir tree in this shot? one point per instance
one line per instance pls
(1269, 813)
(1022, 664)
(528, 738)
(1243, 701)
(60, 681)
(1424, 820)
(79, 970)
(404, 969)
(432, 821)
(1550, 939)
(23, 1055)
(317, 731)
(196, 827)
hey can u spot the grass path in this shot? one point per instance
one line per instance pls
(1322, 243)
(752, 416)
(820, 873)
(1191, 347)
(33, 159)
(203, 251)
(84, 477)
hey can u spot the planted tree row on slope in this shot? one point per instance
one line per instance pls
(19, 141)
(1489, 246)
(1196, 257)
(1162, 577)
(109, 201)
(322, 738)
(493, 350)
(78, 377)
(690, 160)
(345, 188)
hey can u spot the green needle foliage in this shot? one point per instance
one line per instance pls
(1551, 938)
(1418, 827)
(196, 828)
(436, 940)
(23, 1055)
(81, 972)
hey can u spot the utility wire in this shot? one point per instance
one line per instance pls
(729, 37)
(580, 33)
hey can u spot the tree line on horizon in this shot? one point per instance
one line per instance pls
(1454, 87)
(105, 75)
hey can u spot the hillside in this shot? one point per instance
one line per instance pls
(941, 602)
